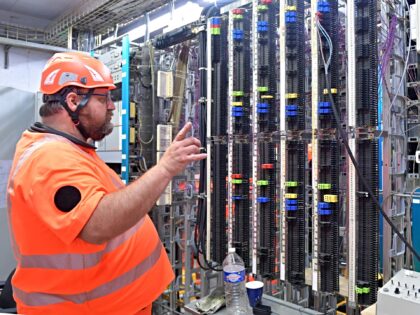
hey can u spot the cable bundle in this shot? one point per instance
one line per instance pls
(328, 148)
(295, 194)
(367, 153)
(267, 123)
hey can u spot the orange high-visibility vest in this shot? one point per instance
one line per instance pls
(57, 272)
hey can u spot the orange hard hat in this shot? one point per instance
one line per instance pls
(74, 69)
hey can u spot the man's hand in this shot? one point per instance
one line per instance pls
(181, 152)
(118, 211)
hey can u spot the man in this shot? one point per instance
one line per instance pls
(83, 241)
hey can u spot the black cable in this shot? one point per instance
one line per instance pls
(199, 237)
(359, 174)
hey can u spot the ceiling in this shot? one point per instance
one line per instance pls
(47, 21)
(35, 14)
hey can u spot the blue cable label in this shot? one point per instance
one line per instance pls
(234, 277)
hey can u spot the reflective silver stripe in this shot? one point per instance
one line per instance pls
(36, 145)
(15, 248)
(44, 299)
(72, 261)
(23, 157)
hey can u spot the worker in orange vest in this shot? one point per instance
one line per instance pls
(83, 241)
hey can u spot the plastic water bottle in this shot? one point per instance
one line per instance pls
(234, 277)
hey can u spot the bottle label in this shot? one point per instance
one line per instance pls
(234, 277)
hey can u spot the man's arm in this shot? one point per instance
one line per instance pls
(120, 210)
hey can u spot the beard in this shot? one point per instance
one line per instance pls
(97, 133)
(105, 130)
(101, 132)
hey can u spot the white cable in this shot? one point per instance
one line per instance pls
(330, 45)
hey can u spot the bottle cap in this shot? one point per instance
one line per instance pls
(231, 250)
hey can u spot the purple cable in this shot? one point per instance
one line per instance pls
(388, 45)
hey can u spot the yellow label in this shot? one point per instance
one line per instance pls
(330, 198)
(132, 134)
(333, 91)
(291, 95)
(132, 110)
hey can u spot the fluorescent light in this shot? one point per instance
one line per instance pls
(160, 22)
(137, 32)
(183, 15)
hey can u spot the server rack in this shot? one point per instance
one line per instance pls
(366, 150)
(293, 181)
(328, 156)
(218, 127)
(238, 129)
(265, 115)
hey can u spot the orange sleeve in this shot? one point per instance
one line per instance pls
(55, 166)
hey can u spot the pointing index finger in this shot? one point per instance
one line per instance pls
(183, 132)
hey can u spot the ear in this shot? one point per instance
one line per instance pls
(72, 101)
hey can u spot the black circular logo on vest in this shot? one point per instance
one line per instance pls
(66, 198)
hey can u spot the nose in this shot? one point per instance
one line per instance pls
(110, 104)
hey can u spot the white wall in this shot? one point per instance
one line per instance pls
(25, 67)
(18, 85)
(16, 114)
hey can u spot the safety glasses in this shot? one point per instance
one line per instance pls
(107, 96)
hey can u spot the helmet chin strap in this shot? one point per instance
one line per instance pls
(75, 114)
